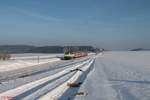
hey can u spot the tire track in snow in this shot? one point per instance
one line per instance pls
(97, 84)
(64, 92)
(22, 89)
(7, 85)
(118, 75)
(37, 69)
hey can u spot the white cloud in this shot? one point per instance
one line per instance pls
(37, 15)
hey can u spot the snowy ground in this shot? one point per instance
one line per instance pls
(39, 85)
(26, 60)
(118, 76)
(108, 76)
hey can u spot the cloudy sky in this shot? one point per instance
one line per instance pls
(111, 24)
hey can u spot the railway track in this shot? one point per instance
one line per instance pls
(38, 88)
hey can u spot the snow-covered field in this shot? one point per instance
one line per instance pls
(26, 60)
(39, 87)
(118, 76)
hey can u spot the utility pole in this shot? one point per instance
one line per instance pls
(38, 59)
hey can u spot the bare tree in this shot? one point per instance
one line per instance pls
(4, 56)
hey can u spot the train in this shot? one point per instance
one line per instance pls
(74, 55)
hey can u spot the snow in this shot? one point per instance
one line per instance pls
(36, 54)
(26, 60)
(21, 89)
(118, 76)
(60, 92)
(97, 85)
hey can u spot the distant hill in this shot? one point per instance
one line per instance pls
(16, 48)
(43, 49)
(140, 49)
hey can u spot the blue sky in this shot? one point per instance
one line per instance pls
(111, 24)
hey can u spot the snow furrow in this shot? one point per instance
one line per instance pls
(24, 88)
(60, 91)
